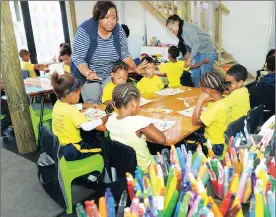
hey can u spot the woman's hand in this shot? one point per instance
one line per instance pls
(187, 55)
(206, 60)
(188, 63)
(92, 76)
(140, 67)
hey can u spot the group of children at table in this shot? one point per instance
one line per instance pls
(127, 127)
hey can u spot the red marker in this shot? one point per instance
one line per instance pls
(225, 203)
(130, 188)
(272, 171)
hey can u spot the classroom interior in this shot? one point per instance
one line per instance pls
(137, 108)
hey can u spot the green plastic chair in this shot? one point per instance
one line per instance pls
(35, 115)
(73, 169)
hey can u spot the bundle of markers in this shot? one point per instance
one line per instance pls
(173, 187)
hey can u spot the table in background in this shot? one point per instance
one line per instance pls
(183, 126)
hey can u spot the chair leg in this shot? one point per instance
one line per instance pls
(68, 190)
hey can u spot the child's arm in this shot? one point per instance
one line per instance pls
(91, 125)
(81, 106)
(206, 60)
(153, 134)
(204, 97)
(108, 102)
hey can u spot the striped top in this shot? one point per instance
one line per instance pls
(105, 56)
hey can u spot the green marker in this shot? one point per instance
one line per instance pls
(184, 207)
(200, 205)
(272, 181)
(172, 204)
(266, 209)
(214, 165)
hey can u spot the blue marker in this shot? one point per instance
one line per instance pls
(177, 208)
(197, 164)
(252, 206)
(181, 158)
(139, 179)
(231, 173)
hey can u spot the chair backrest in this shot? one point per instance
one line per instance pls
(49, 143)
(233, 128)
(25, 74)
(255, 119)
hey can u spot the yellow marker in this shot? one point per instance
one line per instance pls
(264, 177)
(241, 159)
(237, 201)
(247, 191)
(259, 205)
(170, 191)
(158, 185)
(152, 179)
(202, 171)
(235, 183)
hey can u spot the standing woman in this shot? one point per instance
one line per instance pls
(195, 44)
(99, 45)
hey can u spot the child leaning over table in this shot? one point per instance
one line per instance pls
(65, 55)
(26, 65)
(150, 83)
(119, 75)
(175, 68)
(67, 119)
(131, 129)
(217, 116)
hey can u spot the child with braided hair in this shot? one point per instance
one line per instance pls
(217, 116)
(131, 129)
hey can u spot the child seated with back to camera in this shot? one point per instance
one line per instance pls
(150, 83)
(130, 129)
(67, 119)
(119, 75)
(238, 98)
(175, 68)
(217, 116)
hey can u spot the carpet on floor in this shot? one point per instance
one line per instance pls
(21, 193)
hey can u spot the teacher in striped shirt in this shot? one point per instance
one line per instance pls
(99, 45)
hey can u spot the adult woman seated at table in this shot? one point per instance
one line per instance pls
(99, 45)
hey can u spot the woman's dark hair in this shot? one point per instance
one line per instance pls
(123, 94)
(172, 19)
(126, 29)
(66, 50)
(213, 81)
(173, 52)
(62, 84)
(271, 63)
(148, 59)
(119, 67)
(101, 8)
(269, 54)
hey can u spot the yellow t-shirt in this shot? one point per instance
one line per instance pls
(216, 119)
(66, 68)
(150, 85)
(107, 91)
(66, 122)
(29, 67)
(124, 131)
(173, 72)
(238, 102)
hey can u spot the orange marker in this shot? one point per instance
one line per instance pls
(215, 208)
(102, 207)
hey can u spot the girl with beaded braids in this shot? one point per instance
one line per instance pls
(130, 129)
(67, 119)
(217, 116)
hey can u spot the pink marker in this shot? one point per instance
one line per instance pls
(220, 181)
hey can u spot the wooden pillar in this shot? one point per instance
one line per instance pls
(73, 16)
(13, 83)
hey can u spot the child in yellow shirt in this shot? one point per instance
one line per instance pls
(67, 119)
(131, 129)
(119, 75)
(238, 99)
(26, 65)
(175, 68)
(150, 83)
(217, 116)
(65, 55)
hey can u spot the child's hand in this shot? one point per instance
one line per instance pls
(187, 63)
(191, 99)
(140, 67)
(187, 55)
(205, 97)
(92, 105)
(206, 60)
(105, 118)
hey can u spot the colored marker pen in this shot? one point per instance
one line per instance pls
(197, 163)
(226, 181)
(234, 211)
(271, 203)
(225, 203)
(213, 177)
(220, 181)
(252, 206)
(122, 204)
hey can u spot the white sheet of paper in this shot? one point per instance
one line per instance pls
(162, 125)
(94, 114)
(169, 91)
(165, 111)
(189, 112)
(144, 101)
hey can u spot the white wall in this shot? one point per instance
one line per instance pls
(246, 32)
